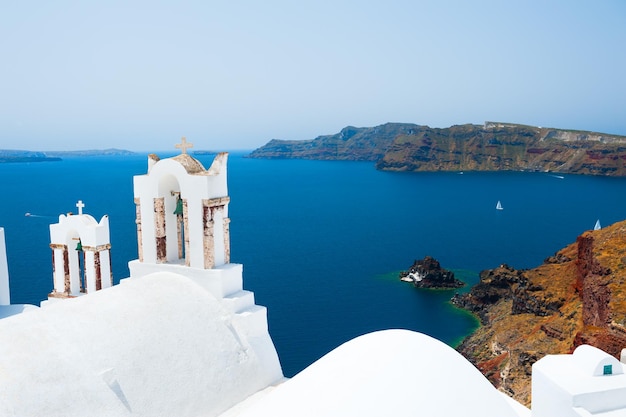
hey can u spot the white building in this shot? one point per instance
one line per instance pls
(181, 337)
(588, 382)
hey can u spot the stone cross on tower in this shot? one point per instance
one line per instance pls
(183, 145)
(80, 206)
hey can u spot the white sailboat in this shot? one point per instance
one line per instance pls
(597, 226)
(499, 206)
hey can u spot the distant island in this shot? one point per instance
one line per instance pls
(91, 152)
(7, 156)
(493, 146)
(10, 155)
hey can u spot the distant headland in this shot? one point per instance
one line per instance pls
(10, 155)
(493, 146)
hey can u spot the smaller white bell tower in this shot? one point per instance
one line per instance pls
(81, 257)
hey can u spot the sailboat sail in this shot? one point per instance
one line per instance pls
(597, 226)
(499, 206)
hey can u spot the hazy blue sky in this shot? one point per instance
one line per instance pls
(233, 74)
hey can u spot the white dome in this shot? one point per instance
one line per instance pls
(388, 373)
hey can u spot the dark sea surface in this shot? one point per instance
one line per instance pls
(322, 242)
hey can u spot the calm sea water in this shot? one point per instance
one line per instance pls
(322, 242)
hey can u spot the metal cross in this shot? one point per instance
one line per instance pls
(80, 206)
(183, 145)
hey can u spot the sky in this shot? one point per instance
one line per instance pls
(228, 75)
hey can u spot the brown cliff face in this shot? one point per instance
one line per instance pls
(598, 310)
(576, 296)
(505, 147)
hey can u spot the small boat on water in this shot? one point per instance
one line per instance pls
(499, 206)
(597, 226)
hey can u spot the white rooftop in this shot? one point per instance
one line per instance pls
(387, 373)
(160, 345)
(588, 382)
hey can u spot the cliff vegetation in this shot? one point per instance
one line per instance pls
(577, 296)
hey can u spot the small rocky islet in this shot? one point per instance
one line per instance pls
(428, 273)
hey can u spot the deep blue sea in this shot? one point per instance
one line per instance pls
(322, 242)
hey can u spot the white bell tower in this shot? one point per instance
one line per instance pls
(183, 228)
(81, 257)
(182, 212)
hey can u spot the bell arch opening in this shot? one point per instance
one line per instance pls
(170, 222)
(75, 279)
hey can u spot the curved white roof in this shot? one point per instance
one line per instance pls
(592, 360)
(388, 373)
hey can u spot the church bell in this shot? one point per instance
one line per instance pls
(79, 246)
(179, 207)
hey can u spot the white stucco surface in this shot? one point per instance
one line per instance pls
(13, 309)
(5, 295)
(387, 373)
(159, 345)
(570, 386)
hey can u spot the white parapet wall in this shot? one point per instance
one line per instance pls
(5, 295)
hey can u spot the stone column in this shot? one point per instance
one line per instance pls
(208, 227)
(67, 282)
(139, 234)
(108, 255)
(159, 228)
(97, 265)
(210, 207)
(98, 271)
(60, 270)
(226, 240)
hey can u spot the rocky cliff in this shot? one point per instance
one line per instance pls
(489, 147)
(428, 273)
(576, 296)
